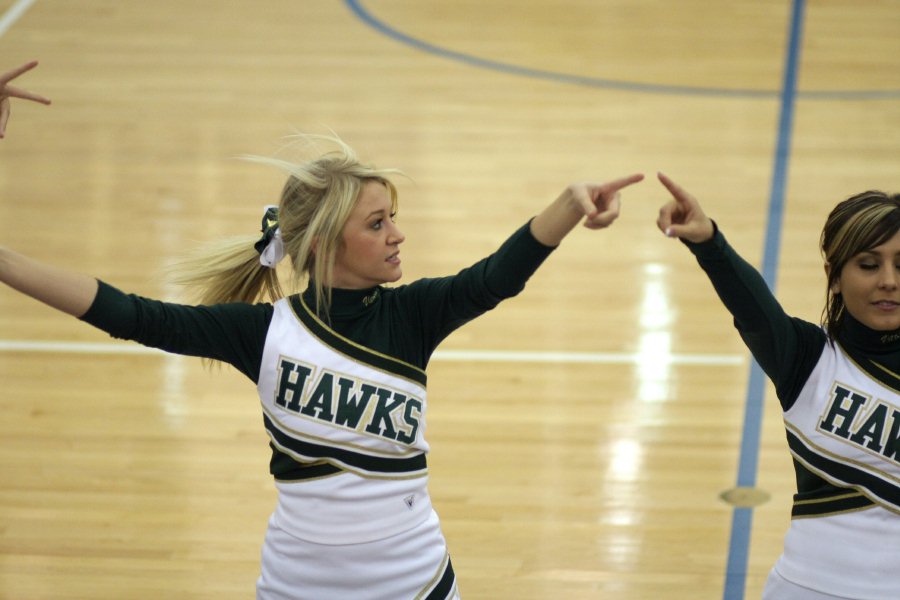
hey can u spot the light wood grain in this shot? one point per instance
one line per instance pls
(144, 476)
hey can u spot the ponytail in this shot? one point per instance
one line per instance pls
(306, 227)
(228, 271)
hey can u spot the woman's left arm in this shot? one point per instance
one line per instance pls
(64, 290)
(443, 304)
(597, 203)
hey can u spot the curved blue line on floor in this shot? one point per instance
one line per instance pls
(568, 78)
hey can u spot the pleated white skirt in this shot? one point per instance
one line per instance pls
(413, 565)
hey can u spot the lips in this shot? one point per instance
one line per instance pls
(886, 304)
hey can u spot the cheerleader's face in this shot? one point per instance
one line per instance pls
(369, 254)
(870, 286)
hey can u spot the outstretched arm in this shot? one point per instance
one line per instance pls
(682, 216)
(64, 290)
(440, 305)
(597, 203)
(69, 292)
(231, 333)
(740, 286)
(786, 348)
(7, 91)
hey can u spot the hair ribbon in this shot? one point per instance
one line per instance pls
(270, 246)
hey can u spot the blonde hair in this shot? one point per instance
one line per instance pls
(857, 224)
(315, 203)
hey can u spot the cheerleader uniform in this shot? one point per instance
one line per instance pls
(343, 401)
(841, 404)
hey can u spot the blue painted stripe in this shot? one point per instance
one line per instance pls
(742, 518)
(385, 29)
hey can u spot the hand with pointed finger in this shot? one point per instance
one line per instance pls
(7, 91)
(597, 203)
(682, 217)
(601, 202)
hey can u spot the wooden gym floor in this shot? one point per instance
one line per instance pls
(582, 434)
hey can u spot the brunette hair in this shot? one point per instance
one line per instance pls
(855, 225)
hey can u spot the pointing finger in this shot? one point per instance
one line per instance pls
(676, 190)
(10, 75)
(618, 184)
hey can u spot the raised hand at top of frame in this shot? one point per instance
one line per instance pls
(7, 91)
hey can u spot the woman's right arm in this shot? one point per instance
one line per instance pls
(231, 333)
(785, 347)
(70, 292)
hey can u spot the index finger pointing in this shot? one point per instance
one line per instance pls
(618, 184)
(676, 190)
(10, 75)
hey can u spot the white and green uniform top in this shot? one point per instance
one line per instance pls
(841, 404)
(343, 394)
(358, 417)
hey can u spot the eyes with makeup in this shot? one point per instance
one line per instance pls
(871, 262)
(378, 222)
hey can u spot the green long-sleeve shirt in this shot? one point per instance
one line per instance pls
(788, 348)
(406, 322)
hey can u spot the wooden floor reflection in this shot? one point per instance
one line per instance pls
(583, 432)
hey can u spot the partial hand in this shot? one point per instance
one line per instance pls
(601, 201)
(682, 217)
(7, 91)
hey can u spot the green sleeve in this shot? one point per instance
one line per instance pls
(433, 308)
(456, 300)
(787, 348)
(231, 333)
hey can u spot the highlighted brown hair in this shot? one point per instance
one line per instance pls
(857, 224)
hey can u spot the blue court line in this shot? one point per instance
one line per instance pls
(742, 518)
(385, 29)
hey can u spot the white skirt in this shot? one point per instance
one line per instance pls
(413, 565)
